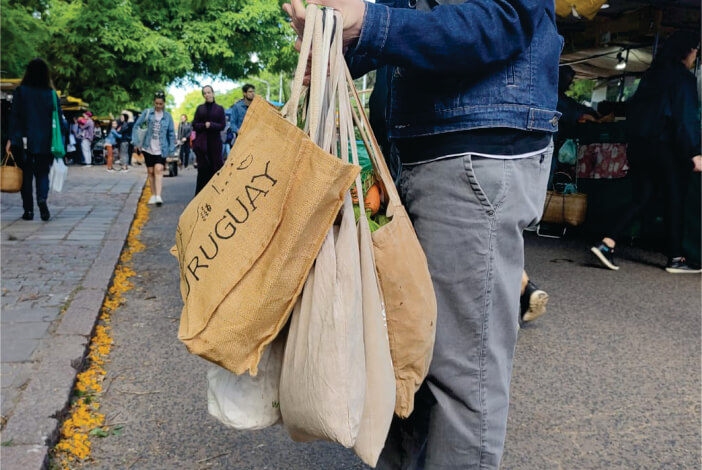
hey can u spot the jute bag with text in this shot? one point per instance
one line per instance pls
(247, 241)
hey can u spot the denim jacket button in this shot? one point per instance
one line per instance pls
(554, 121)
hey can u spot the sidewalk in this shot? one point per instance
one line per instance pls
(53, 281)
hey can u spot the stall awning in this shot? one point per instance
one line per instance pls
(602, 62)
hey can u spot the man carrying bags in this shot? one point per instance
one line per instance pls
(475, 154)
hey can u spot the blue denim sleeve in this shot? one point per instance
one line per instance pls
(450, 38)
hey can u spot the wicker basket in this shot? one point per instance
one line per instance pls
(10, 175)
(565, 208)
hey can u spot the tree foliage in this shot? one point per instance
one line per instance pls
(581, 90)
(22, 34)
(116, 53)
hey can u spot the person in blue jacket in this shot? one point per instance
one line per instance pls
(111, 140)
(238, 110)
(472, 111)
(31, 123)
(157, 143)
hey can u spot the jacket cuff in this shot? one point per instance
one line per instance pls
(374, 32)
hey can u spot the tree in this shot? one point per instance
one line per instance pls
(22, 35)
(581, 90)
(116, 53)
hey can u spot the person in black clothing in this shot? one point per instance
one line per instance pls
(663, 132)
(124, 127)
(30, 134)
(208, 123)
(184, 130)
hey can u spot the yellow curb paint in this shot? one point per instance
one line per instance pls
(73, 448)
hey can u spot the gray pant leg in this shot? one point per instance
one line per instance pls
(469, 214)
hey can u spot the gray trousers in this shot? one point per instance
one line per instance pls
(469, 213)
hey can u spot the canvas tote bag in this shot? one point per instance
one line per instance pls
(338, 382)
(380, 378)
(322, 383)
(247, 241)
(408, 292)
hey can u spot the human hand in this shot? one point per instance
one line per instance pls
(207, 125)
(352, 12)
(587, 118)
(8, 147)
(608, 118)
(697, 163)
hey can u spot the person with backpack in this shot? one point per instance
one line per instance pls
(475, 151)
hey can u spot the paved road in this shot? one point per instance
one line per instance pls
(46, 268)
(610, 378)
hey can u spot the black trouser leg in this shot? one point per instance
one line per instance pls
(204, 174)
(674, 193)
(644, 188)
(184, 155)
(27, 166)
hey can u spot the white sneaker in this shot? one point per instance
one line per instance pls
(152, 200)
(159, 201)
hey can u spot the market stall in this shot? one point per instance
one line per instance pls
(612, 51)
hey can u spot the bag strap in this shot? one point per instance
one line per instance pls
(9, 156)
(291, 108)
(371, 144)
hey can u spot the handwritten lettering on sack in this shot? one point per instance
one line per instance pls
(230, 220)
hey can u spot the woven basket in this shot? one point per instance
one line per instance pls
(10, 176)
(565, 208)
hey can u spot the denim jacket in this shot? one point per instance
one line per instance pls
(480, 64)
(166, 135)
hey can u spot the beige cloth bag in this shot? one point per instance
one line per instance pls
(408, 292)
(330, 368)
(380, 379)
(247, 241)
(322, 383)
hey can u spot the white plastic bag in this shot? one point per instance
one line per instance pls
(247, 402)
(57, 175)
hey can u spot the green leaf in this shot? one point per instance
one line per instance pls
(7, 443)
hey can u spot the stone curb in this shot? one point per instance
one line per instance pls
(33, 427)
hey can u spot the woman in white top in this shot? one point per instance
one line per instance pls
(158, 142)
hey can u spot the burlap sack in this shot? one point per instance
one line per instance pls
(247, 241)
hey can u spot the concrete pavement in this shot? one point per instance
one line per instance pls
(53, 280)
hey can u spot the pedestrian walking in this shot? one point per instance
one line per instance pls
(238, 110)
(111, 140)
(73, 152)
(184, 130)
(475, 149)
(158, 142)
(125, 142)
(663, 133)
(208, 123)
(30, 133)
(87, 136)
